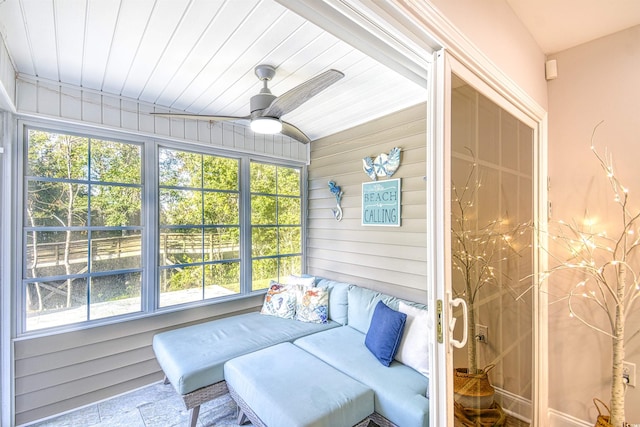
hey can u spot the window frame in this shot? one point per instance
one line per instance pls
(150, 292)
(89, 228)
(159, 227)
(277, 225)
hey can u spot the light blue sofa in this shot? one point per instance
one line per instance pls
(400, 393)
(193, 357)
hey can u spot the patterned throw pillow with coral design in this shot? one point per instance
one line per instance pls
(312, 305)
(280, 301)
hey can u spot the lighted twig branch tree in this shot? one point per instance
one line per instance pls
(608, 266)
(477, 252)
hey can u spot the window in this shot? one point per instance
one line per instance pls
(276, 223)
(82, 229)
(104, 237)
(199, 242)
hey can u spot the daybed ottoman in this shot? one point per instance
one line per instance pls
(284, 386)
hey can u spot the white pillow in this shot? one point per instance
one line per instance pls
(414, 348)
(307, 281)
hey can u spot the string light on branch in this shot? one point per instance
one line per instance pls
(481, 247)
(608, 264)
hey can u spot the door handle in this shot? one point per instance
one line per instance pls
(452, 323)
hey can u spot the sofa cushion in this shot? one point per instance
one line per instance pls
(385, 332)
(312, 305)
(338, 299)
(192, 356)
(414, 346)
(362, 303)
(400, 391)
(280, 301)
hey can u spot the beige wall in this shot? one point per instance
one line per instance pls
(388, 259)
(493, 27)
(597, 81)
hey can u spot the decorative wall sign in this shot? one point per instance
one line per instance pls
(381, 203)
(383, 165)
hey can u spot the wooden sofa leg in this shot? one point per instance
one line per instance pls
(242, 418)
(166, 380)
(193, 415)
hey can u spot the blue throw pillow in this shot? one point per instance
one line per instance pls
(385, 333)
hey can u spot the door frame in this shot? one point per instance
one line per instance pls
(439, 226)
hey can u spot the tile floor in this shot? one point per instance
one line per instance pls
(157, 405)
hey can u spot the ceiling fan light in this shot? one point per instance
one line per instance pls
(268, 125)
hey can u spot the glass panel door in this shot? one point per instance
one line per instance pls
(484, 160)
(491, 253)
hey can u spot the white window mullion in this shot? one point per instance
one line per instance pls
(304, 204)
(245, 226)
(150, 196)
(8, 263)
(19, 311)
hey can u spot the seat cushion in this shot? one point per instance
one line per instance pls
(288, 387)
(192, 357)
(400, 391)
(362, 304)
(338, 300)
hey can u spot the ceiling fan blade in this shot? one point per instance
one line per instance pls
(201, 117)
(293, 132)
(300, 94)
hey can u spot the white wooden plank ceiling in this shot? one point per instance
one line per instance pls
(198, 56)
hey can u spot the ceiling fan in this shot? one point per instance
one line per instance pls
(267, 109)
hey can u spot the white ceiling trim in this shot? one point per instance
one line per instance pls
(360, 27)
(460, 47)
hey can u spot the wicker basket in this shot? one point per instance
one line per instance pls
(602, 420)
(473, 390)
(489, 417)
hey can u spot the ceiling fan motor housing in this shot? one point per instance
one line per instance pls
(261, 101)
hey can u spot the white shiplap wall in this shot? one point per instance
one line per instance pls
(43, 98)
(388, 259)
